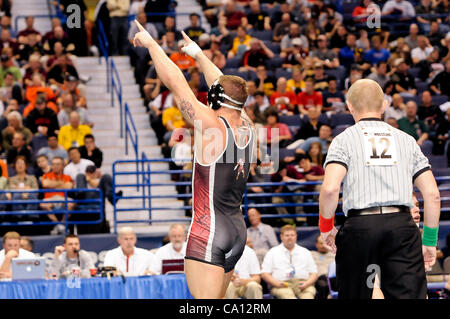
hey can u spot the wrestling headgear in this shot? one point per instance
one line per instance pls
(217, 96)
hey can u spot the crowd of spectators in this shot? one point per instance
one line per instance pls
(46, 140)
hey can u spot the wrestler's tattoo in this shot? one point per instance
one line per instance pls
(187, 109)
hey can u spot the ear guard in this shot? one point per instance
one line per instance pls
(217, 96)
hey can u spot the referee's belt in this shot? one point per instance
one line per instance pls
(378, 210)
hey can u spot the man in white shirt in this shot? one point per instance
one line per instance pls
(176, 249)
(423, 50)
(77, 164)
(128, 259)
(401, 7)
(397, 110)
(289, 268)
(262, 235)
(11, 249)
(246, 279)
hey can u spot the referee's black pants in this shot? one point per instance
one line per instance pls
(389, 242)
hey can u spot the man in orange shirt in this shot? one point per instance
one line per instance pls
(55, 179)
(182, 60)
(283, 100)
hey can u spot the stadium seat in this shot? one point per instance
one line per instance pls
(280, 72)
(273, 46)
(421, 86)
(341, 119)
(290, 120)
(439, 99)
(427, 147)
(284, 152)
(438, 161)
(414, 72)
(265, 35)
(323, 118)
(233, 63)
(275, 62)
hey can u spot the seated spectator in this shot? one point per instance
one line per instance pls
(309, 98)
(324, 139)
(52, 60)
(412, 38)
(181, 59)
(282, 28)
(35, 89)
(377, 53)
(11, 89)
(42, 168)
(11, 249)
(90, 179)
(320, 78)
(309, 127)
(33, 47)
(69, 257)
(172, 120)
(412, 125)
(22, 181)
(53, 149)
(71, 86)
(264, 82)
(333, 99)
(194, 31)
(273, 126)
(128, 259)
(215, 55)
(397, 110)
(422, 51)
(169, 26)
(435, 36)
(60, 69)
(233, 13)
(355, 74)
(246, 278)
(42, 121)
(29, 29)
(259, 104)
(429, 112)
(441, 83)
(323, 257)
(17, 148)
(295, 57)
(316, 155)
(241, 43)
(169, 43)
(77, 164)
(283, 100)
(15, 125)
(289, 269)
(90, 151)
(432, 66)
(69, 106)
(55, 179)
(404, 82)
(175, 249)
(261, 235)
(72, 134)
(380, 75)
(58, 35)
(287, 42)
(362, 12)
(441, 137)
(7, 66)
(10, 106)
(347, 54)
(401, 8)
(296, 84)
(257, 19)
(27, 243)
(324, 55)
(258, 54)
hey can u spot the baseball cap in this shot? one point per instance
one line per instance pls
(4, 58)
(398, 62)
(71, 78)
(296, 41)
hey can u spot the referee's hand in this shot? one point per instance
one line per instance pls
(329, 239)
(429, 256)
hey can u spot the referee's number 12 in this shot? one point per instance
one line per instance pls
(386, 143)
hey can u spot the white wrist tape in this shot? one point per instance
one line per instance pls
(191, 49)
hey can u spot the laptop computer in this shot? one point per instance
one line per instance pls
(172, 266)
(28, 269)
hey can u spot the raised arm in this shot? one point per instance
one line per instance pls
(209, 69)
(172, 77)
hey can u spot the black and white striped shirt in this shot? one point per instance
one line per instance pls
(381, 162)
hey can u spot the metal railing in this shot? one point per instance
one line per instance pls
(28, 208)
(145, 184)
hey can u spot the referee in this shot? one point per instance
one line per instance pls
(377, 163)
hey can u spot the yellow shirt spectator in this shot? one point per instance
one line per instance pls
(237, 42)
(173, 115)
(292, 85)
(69, 136)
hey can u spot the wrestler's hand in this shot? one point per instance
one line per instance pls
(329, 239)
(190, 47)
(142, 38)
(429, 256)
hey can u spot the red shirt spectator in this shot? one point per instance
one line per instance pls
(309, 97)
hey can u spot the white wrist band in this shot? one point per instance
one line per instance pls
(191, 49)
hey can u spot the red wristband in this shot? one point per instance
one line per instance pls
(325, 225)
